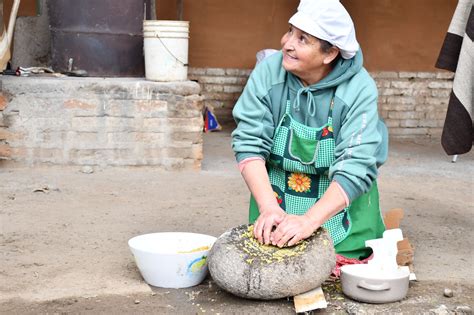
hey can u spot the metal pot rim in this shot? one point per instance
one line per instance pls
(368, 272)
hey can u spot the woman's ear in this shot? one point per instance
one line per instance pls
(331, 55)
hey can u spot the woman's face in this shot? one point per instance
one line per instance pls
(302, 54)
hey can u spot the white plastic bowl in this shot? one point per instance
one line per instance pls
(172, 259)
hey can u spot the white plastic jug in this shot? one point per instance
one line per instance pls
(166, 50)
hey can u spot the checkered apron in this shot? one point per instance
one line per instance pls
(298, 168)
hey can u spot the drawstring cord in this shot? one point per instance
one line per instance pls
(310, 102)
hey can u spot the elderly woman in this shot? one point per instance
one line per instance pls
(309, 139)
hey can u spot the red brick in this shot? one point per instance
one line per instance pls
(5, 134)
(3, 101)
(19, 153)
(75, 104)
(151, 105)
(5, 151)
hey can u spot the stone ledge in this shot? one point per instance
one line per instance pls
(127, 88)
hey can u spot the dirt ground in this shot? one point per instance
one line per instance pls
(63, 233)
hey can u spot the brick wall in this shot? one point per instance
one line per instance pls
(411, 103)
(414, 103)
(220, 88)
(94, 121)
(5, 136)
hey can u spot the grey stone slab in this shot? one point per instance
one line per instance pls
(244, 267)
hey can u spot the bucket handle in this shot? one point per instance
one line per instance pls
(170, 52)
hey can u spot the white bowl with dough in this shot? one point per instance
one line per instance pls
(172, 259)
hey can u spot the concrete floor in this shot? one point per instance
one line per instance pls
(64, 249)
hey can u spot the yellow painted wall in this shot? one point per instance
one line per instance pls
(394, 34)
(401, 34)
(228, 34)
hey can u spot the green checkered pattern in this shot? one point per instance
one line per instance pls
(334, 225)
(299, 203)
(278, 145)
(277, 178)
(323, 184)
(335, 228)
(304, 131)
(326, 153)
(297, 167)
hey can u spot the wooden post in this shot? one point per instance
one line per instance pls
(180, 6)
(6, 36)
(153, 10)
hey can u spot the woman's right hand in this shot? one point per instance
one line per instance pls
(256, 177)
(270, 217)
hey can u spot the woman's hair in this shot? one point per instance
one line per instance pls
(325, 45)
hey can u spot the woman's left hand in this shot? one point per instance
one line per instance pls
(291, 230)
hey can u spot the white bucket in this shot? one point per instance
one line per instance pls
(166, 50)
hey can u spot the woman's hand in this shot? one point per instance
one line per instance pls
(269, 217)
(295, 228)
(292, 229)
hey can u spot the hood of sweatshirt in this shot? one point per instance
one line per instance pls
(343, 70)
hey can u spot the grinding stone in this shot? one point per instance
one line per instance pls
(239, 264)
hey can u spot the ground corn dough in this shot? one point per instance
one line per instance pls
(199, 249)
(257, 253)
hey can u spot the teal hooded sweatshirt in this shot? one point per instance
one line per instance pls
(361, 136)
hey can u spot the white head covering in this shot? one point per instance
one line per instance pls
(328, 20)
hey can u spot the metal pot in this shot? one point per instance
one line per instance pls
(361, 283)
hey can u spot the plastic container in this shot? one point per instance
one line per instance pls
(362, 283)
(166, 50)
(172, 259)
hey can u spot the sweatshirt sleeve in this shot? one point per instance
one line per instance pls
(253, 136)
(358, 144)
